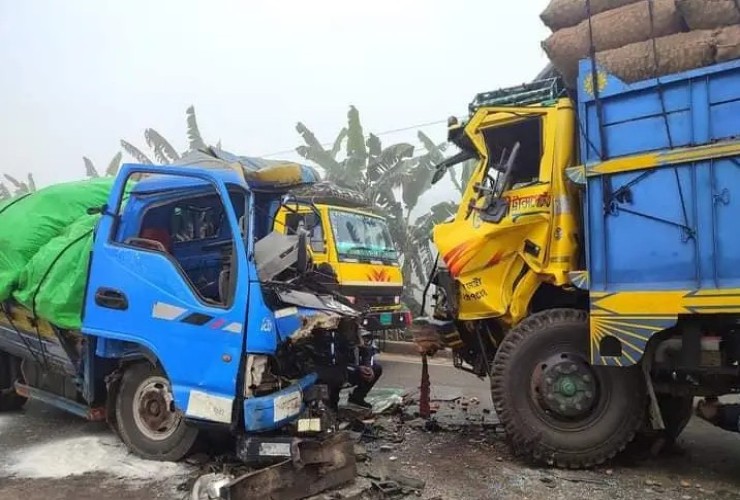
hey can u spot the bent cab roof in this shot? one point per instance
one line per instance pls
(258, 174)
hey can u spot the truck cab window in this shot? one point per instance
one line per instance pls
(190, 226)
(501, 140)
(195, 222)
(312, 223)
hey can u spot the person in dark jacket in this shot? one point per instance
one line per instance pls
(362, 374)
(365, 374)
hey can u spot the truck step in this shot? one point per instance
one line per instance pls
(96, 414)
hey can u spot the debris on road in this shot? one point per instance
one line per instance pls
(209, 486)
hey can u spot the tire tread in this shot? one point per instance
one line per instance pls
(529, 445)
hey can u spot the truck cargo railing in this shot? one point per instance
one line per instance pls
(543, 91)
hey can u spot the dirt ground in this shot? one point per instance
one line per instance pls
(473, 465)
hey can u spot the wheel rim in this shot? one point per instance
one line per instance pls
(154, 410)
(566, 393)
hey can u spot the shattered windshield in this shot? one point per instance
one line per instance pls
(360, 236)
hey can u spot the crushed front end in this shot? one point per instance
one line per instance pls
(302, 344)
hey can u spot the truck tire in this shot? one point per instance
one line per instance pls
(146, 418)
(557, 409)
(10, 372)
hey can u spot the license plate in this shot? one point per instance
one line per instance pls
(386, 319)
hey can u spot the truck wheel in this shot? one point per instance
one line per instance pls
(558, 409)
(10, 372)
(146, 416)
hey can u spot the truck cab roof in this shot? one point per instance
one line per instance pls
(164, 182)
(265, 176)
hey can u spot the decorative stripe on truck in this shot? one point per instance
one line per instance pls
(169, 312)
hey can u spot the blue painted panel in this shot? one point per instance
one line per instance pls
(628, 251)
(260, 413)
(641, 248)
(701, 105)
(726, 204)
(261, 331)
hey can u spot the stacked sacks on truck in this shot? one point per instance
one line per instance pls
(561, 14)
(611, 29)
(636, 40)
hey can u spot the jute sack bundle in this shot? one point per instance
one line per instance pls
(610, 30)
(728, 43)
(708, 14)
(564, 13)
(676, 53)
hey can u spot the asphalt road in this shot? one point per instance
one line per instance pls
(47, 454)
(446, 381)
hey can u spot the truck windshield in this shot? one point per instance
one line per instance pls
(362, 236)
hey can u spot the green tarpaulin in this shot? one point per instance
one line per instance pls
(45, 242)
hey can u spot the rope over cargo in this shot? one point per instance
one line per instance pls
(610, 30)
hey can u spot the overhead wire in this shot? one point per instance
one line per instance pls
(379, 134)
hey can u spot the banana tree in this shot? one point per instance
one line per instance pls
(366, 166)
(393, 180)
(161, 149)
(17, 187)
(110, 171)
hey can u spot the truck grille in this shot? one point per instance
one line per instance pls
(375, 301)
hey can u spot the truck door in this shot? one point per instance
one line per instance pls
(140, 298)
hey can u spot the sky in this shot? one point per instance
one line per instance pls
(79, 75)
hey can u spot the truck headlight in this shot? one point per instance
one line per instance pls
(397, 299)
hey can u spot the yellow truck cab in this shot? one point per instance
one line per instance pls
(352, 248)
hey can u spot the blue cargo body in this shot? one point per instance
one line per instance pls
(671, 225)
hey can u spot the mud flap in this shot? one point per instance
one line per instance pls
(312, 466)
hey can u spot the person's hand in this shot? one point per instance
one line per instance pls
(366, 373)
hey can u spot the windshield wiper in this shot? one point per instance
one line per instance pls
(370, 250)
(361, 249)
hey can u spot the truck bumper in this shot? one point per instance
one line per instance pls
(266, 413)
(386, 320)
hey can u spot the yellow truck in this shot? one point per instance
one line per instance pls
(352, 249)
(591, 271)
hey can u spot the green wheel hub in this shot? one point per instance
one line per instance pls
(565, 387)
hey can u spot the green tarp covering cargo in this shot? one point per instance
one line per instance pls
(45, 242)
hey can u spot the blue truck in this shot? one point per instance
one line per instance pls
(195, 315)
(592, 271)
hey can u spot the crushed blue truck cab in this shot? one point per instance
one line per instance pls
(195, 313)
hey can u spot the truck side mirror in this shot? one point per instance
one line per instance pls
(438, 174)
(302, 259)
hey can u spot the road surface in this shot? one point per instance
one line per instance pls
(47, 454)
